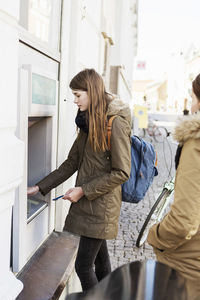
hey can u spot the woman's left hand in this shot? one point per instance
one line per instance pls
(73, 194)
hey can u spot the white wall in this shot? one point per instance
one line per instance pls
(67, 109)
(124, 48)
(11, 149)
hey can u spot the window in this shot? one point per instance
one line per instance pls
(42, 19)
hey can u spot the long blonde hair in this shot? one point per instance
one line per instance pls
(90, 81)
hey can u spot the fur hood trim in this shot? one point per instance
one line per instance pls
(118, 107)
(187, 127)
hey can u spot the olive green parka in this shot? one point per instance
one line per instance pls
(176, 239)
(100, 174)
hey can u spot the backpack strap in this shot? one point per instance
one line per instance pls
(109, 129)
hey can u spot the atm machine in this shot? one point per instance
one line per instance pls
(33, 217)
(42, 110)
(39, 160)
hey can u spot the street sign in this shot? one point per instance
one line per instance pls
(141, 65)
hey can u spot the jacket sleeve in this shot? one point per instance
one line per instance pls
(66, 170)
(120, 162)
(183, 220)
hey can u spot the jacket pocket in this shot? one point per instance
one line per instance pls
(98, 209)
(90, 205)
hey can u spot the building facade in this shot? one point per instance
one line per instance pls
(44, 44)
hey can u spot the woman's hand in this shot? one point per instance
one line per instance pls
(32, 190)
(73, 194)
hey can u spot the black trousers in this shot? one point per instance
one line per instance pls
(92, 261)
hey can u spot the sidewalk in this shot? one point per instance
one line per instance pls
(123, 250)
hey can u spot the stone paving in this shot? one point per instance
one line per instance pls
(123, 250)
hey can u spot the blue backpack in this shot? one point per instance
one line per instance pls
(143, 168)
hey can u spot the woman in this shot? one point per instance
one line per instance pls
(176, 239)
(96, 197)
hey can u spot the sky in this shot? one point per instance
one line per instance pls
(166, 27)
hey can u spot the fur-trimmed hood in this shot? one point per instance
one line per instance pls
(187, 127)
(118, 107)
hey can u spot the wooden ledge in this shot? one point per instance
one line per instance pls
(46, 274)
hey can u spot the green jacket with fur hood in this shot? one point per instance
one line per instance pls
(100, 174)
(176, 239)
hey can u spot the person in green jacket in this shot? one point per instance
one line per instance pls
(176, 239)
(96, 197)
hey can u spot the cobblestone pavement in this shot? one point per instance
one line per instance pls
(123, 250)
